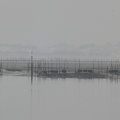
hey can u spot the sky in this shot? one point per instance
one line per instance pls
(45, 23)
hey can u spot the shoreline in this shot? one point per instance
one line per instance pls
(60, 75)
(73, 75)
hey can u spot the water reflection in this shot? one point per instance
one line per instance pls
(54, 99)
(31, 102)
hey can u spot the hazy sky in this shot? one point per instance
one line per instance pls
(50, 22)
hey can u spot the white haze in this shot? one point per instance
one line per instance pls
(45, 23)
(85, 51)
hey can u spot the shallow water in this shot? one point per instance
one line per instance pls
(59, 99)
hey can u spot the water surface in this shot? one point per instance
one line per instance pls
(59, 99)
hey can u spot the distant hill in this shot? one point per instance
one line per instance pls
(86, 51)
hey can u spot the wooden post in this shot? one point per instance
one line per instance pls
(31, 66)
(79, 64)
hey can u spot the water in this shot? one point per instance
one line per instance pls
(59, 99)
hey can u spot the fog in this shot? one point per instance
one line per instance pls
(46, 23)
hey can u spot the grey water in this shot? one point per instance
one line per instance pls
(59, 99)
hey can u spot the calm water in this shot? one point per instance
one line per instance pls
(59, 99)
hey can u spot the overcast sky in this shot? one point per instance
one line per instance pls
(49, 22)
